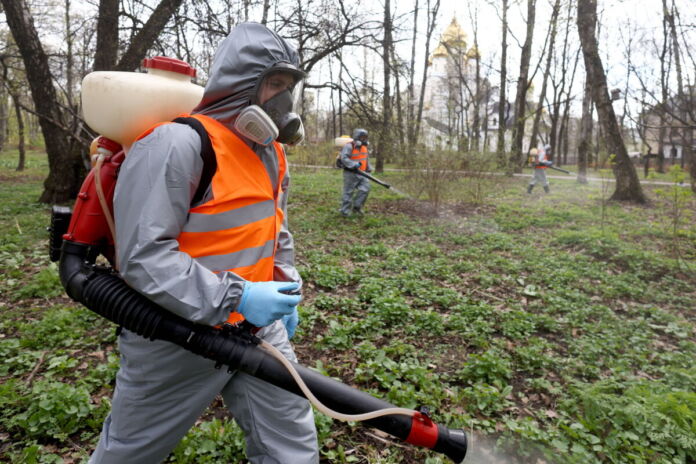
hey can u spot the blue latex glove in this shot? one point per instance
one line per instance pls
(263, 303)
(291, 320)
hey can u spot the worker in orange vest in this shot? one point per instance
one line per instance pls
(540, 160)
(356, 188)
(222, 258)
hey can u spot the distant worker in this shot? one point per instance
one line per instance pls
(541, 159)
(356, 188)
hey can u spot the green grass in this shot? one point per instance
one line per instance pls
(528, 318)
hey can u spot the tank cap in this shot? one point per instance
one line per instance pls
(108, 144)
(169, 64)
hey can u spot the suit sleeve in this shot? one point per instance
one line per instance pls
(284, 265)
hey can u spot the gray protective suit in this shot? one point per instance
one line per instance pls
(356, 188)
(161, 389)
(541, 159)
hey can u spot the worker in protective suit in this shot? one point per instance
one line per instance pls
(229, 254)
(356, 188)
(541, 159)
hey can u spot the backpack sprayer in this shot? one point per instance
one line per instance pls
(340, 142)
(78, 237)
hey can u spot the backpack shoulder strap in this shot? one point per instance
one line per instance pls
(207, 153)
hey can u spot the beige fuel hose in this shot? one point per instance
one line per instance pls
(273, 351)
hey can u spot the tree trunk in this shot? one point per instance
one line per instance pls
(69, 59)
(340, 93)
(432, 20)
(476, 123)
(144, 39)
(4, 116)
(585, 132)
(684, 100)
(106, 53)
(544, 82)
(627, 184)
(266, 7)
(65, 162)
(502, 104)
(66, 167)
(20, 134)
(385, 144)
(516, 155)
(563, 133)
(411, 86)
(399, 107)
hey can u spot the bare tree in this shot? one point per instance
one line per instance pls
(12, 86)
(585, 132)
(664, 88)
(60, 125)
(385, 142)
(477, 93)
(106, 52)
(411, 81)
(563, 93)
(627, 185)
(516, 155)
(553, 27)
(143, 39)
(502, 104)
(65, 163)
(266, 8)
(432, 13)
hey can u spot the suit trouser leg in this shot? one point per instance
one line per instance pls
(161, 389)
(350, 182)
(279, 426)
(363, 190)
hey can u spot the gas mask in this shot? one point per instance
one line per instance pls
(274, 119)
(360, 138)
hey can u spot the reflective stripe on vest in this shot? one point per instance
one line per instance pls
(360, 155)
(237, 229)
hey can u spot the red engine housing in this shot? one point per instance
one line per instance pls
(88, 224)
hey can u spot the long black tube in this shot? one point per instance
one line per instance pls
(372, 178)
(559, 169)
(108, 295)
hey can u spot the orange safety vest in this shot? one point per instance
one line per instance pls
(360, 155)
(237, 229)
(541, 157)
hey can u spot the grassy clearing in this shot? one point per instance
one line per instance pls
(562, 336)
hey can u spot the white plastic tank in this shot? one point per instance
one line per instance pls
(122, 105)
(339, 142)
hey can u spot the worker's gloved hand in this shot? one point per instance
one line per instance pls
(291, 321)
(264, 302)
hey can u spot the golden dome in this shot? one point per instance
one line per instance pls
(454, 35)
(441, 50)
(454, 38)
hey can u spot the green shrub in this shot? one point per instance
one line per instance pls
(211, 442)
(53, 409)
(491, 367)
(638, 422)
(44, 284)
